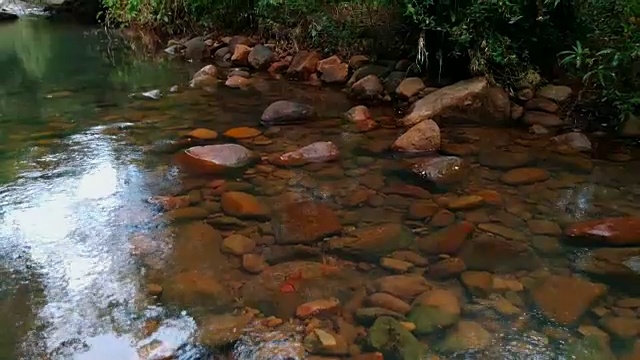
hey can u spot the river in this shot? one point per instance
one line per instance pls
(83, 252)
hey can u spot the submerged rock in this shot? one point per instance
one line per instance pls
(434, 310)
(470, 100)
(565, 299)
(243, 205)
(621, 231)
(220, 330)
(524, 176)
(321, 151)
(361, 118)
(541, 118)
(502, 159)
(215, 158)
(466, 336)
(490, 253)
(372, 243)
(388, 336)
(285, 112)
(304, 223)
(441, 170)
(619, 266)
(574, 140)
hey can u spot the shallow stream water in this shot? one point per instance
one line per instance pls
(81, 247)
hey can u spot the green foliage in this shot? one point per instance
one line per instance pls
(607, 57)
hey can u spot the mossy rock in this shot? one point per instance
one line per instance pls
(394, 341)
(589, 348)
(429, 319)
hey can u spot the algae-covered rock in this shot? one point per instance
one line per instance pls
(395, 342)
(590, 347)
(429, 319)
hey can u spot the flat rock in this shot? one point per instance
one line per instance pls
(243, 205)
(374, 242)
(620, 231)
(410, 87)
(216, 158)
(557, 93)
(238, 245)
(390, 302)
(490, 253)
(565, 299)
(466, 336)
(541, 118)
(446, 241)
(317, 152)
(542, 104)
(524, 176)
(405, 287)
(220, 330)
(304, 223)
(503, 159)
(617, 266)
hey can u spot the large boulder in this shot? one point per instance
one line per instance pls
(195, 49)
(285, 112)
(472, 100)
(422, 137)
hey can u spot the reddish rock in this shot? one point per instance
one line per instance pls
(241, 55)
(422, 210)
(242, 132)
(304, 223)
(472, 100)
(253, 263)
(621, 231)
(278, 67)
(324, 64)
(446, 241)
(446, 269)
(168, 203)
(491, 253)
(321, 151)
(303, 65)
(243, 205)
(423, 137)
(203, 134)
(215, 158)
(336, 74)
(317, 307)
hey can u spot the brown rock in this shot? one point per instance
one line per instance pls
(243, 205)
(410, 256)
(565, 299)
(207, 76)
(357, 61)
(373, 242)
(317, 308)
(423, 137)
(410, 87)
(422, 209)
(503, 231)
(495, 254)
(407, 191)
(542, 104)
(617, 265)
(441, 170)
(544, 227)
(443, 218)
(285, 112)
(361, 118)
(203, 134)
(278, 67)
(621, 327)
(472, 100)
(303, 65)
(242, 132)
(524, 176)
(253, 263)
(321, 151)
(238, 82)
(304, 223)
(405, 287)
(466, 202)
(220, 330)
(557, 93)
(541, 118)
(446, 241)
(215, 158)
(446, 268)
(238, 245)
(395, 265)
(478, 283)
(390, 302)
(241, 55)
(368, 88)
(502, 159)
(621, 231)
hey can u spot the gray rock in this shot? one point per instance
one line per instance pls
(558, 93)
(285, 112)
(261, 57)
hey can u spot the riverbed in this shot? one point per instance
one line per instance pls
(110, 250)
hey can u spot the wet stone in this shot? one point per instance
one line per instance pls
(317, 308)
(445, 269)
(524, 176)
(495, 254)
(446, 241)
(544, 227)
(367, 316)
(238, 245)
(253, 263)
(304, 223)
(389, 302)
(395, 265)
(441, 170)
(243, 205)
(502, 159)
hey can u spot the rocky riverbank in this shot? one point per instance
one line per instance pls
(473, 224)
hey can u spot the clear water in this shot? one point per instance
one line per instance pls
(80, 156)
